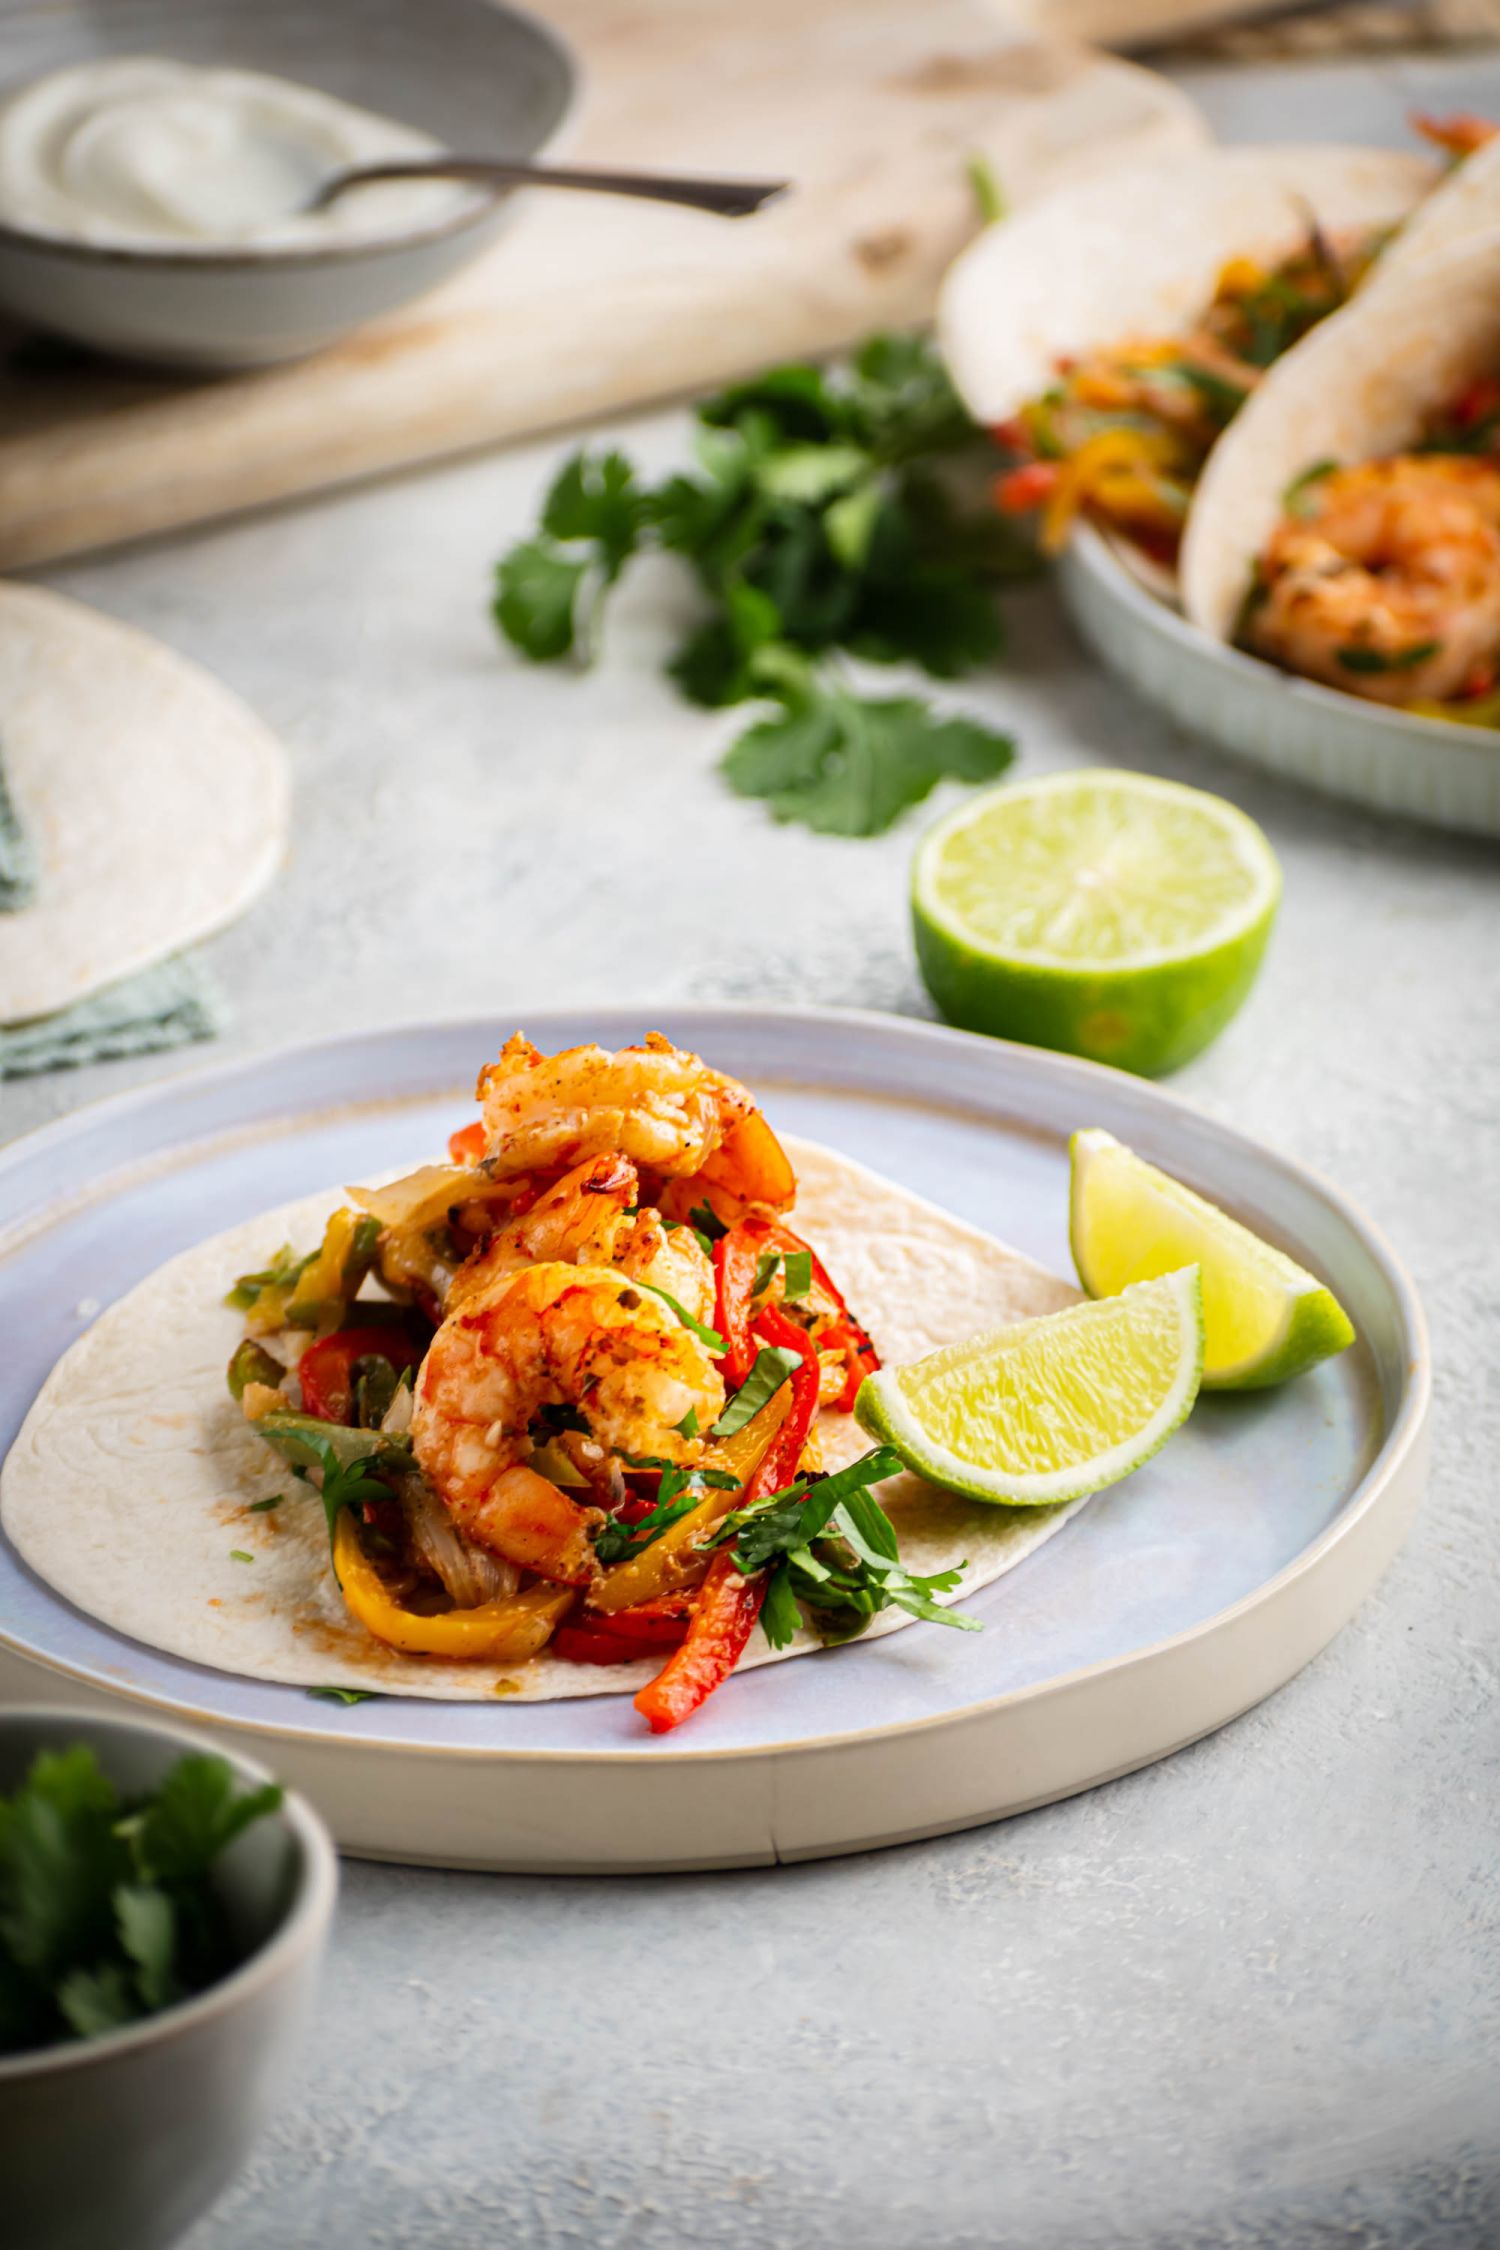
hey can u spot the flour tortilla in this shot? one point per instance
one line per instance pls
(132, 1477)
(1137, 251)
(1359, 387)
(155, 803)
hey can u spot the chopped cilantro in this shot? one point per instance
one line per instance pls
(1297, 498)
(765, 1272)
(773, 1366)
(238, 1554)
(107, 1907)
(989, 196)
(709, 1337)
(1359, 658)
(688, 1426)
(832, 1547)
(344, 1694)
(796, 1275)
(264, 1507)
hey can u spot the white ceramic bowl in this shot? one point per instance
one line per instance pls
(1425, 769)
(480, 78)
(123, 2140)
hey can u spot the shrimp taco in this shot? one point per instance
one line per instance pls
(1110, 333)
(499, 1426)
(1348, 529)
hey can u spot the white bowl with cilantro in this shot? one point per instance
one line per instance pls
(163, 1910)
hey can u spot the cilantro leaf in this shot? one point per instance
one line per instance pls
(147, 1924)
(536, 600)
(709, 1337)
(796, 1275)
(596, 499)
(97, 2000)
(780, 1616)
(707, 1224)
(850, 766)
(547, 590)
(196, 1814)
(344, 1694)
(774, 1365)
(60, 1860)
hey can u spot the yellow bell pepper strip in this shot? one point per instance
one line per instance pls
(506, 1631)
(675, 1560)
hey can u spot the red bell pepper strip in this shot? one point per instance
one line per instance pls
(626, 1635)
(584, 1642)
(736, 1258)
(467, 1145)
(723, 1620)
(860, 1357)
(661, 1622)
(326, 1369)
(1021, 490)
(777, 1466)
(728, 1602)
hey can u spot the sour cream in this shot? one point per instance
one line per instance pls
(137, 153)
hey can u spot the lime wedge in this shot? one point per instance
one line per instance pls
(1048, 1409)
(1110, 914)
(1265, 1318)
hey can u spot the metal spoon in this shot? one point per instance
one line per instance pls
(726, 199)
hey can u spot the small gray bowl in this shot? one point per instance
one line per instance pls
(125, 2139)
(480, 78)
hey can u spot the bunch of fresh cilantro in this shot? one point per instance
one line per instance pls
(107, 1908)
(827, 513)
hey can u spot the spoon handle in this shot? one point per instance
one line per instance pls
(726, 199)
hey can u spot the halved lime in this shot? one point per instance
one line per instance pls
(1107, 913)
(1265, 1318)
(1048, 1409)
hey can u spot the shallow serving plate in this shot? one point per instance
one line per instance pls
(1166, 1607)
(1425, 769)
(480, 77)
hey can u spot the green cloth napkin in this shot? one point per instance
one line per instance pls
(168, 1005)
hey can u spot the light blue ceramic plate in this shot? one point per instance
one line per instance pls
(1171, 1602)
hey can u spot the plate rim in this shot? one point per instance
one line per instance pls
(1093, 555)
(1401, 1442)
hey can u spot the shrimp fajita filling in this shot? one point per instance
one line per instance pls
(1123, 434)
(1383, 578)
(549, 1389)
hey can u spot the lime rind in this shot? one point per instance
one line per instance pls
(1109, 914)
(1169, 1308)
(1128, 1221)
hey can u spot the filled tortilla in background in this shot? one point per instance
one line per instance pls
(1357, 389)
(135, 1473)
(155, 804)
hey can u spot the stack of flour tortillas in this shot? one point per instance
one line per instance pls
(144, 806)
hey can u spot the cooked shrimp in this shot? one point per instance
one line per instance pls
(665, 1109)
(1388, 585)
(591, 1217)
(552, 1336)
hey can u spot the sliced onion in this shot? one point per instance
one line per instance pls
(427, 1195)
(469, 1574)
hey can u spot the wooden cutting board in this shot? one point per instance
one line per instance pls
(585, 307)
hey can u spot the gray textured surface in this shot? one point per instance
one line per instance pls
(1250, 1997)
